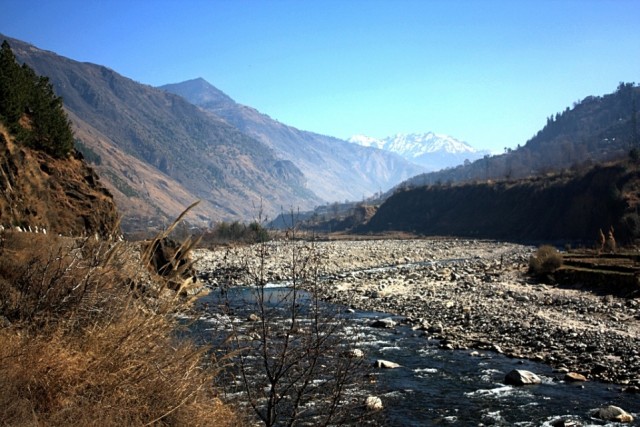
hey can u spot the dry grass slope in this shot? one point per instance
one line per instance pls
(89, 338)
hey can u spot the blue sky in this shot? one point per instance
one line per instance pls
(487, 72)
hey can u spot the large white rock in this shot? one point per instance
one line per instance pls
(521, 377)
(385, 364)
(373, 403)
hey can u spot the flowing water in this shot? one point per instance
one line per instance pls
(434, 386)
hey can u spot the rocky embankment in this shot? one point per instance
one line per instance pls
(465, 293)
(60, 195)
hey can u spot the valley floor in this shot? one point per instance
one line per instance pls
(465, 293)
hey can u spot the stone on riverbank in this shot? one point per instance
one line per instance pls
(354, 353)
(613, 413)
(574, 377)
(387, 323)
(521, 377)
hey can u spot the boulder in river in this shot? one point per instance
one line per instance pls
(613, 413)
(631, 389)
(521, 377)
(354, 353)
(383, 323)
(565, 423)
(385, 364)
(373, 403)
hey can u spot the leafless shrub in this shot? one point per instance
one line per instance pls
(294, 365)
(45, 277)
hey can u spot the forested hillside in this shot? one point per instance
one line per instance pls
(30, 109)
(594, 130)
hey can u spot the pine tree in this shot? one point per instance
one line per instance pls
(30, 108)
(13, 93)
(51, 128)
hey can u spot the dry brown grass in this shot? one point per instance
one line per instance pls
(89, 339)
(546, 260)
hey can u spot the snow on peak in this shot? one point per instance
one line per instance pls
(366, 141)
(416, 144)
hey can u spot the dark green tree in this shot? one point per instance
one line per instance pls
(51, 128)
(30, 109)
(13, 88)
(635, 141)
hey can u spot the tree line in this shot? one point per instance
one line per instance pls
(30, 109)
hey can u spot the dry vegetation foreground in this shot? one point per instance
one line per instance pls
(88, 337)
(467, 294)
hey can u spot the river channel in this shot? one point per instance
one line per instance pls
(434, 386)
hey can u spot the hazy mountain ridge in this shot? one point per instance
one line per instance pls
(334, 169)
(156, 147)
(430, 150)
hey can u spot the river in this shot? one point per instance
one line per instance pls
(434, 386)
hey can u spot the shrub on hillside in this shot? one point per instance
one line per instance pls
(235, 232)
(546, 260)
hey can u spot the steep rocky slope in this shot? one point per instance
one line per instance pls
(159, 153)
(62, 196)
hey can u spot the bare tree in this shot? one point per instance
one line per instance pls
(296, 366)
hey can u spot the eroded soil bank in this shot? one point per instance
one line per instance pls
(466, 293)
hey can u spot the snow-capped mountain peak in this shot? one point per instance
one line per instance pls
(418, 144)
(431, 150)
(415, 144)
(367, 141)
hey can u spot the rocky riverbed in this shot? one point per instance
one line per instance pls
(469, 294)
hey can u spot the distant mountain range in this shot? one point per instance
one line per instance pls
(334, 169)
(429, 150)
(468, 199)
(158, 152)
